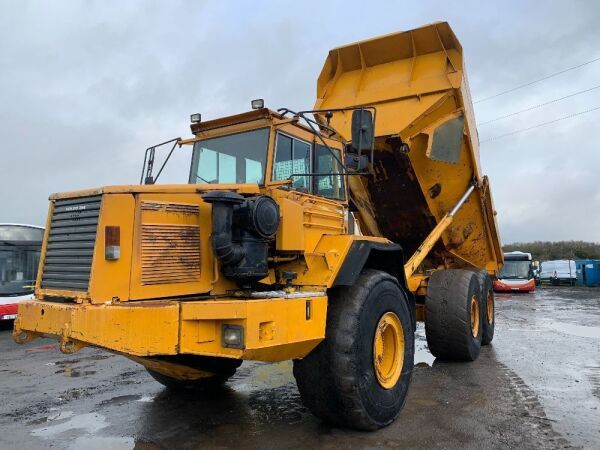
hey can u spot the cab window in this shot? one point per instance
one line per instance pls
(331, 184)
(292, 156)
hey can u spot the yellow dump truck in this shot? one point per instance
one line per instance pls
(318, 236)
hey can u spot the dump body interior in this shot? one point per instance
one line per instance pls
(426, 144)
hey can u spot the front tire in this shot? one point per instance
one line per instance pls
(358, 377)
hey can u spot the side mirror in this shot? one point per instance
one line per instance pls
(362, 130)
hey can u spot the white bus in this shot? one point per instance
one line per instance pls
(20, 247)
(516, 274)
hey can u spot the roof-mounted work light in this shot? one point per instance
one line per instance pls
(258, 103)
(195, 118)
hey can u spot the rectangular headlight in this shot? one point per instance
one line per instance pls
(232, 336)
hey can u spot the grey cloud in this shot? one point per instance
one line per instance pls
(86, 86)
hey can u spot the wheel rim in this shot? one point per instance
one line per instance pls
(388, 350)
(474, 316)
(490, 308)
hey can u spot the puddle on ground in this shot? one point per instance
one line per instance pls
(574, 329)
(266, 376)
(103, 443)
(120, 400)
(422, 354)
(90, 423)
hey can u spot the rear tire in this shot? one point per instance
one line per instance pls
(222, 369)
(358, 377)
(453, 315)
(488, 316)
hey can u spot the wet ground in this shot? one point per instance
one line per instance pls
(537, 385)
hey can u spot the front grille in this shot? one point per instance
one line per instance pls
(71, 241)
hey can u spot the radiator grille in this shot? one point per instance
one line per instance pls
(170, 253)
(71, 241)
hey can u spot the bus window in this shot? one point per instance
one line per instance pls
(20, 248)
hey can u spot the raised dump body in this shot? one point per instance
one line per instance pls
(426, 145)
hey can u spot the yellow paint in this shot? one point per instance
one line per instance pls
(388, 350)
(475, 318)
(417, 258)
(490, 308)
(274, 329)
(147, 328)
(117, 210)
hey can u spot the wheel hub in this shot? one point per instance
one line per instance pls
(475, 316)
(388, 350)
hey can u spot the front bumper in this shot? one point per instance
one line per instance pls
(9, 306)
(275, 329)
(8, 312)
(525, 286)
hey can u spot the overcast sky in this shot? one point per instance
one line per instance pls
(86, 86)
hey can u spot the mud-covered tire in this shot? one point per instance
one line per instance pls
(488, 316)
(451, 295)
(338, 380)
(222, 368)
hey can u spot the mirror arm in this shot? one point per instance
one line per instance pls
(149, 161)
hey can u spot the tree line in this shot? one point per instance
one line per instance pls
(544, 251)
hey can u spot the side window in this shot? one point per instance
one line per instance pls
(292, 156)
(331, 185)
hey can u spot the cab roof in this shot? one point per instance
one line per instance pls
(249, 116)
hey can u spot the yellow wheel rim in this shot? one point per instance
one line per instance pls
(388, 350)
(474, 316)
(490, 308)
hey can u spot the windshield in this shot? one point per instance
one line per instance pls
(20, 233)
(515, 270)
(234, 159)
(18, 268)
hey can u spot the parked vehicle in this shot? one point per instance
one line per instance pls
(559, 272)
(255, 258)
(19, 259)
(517, 273)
